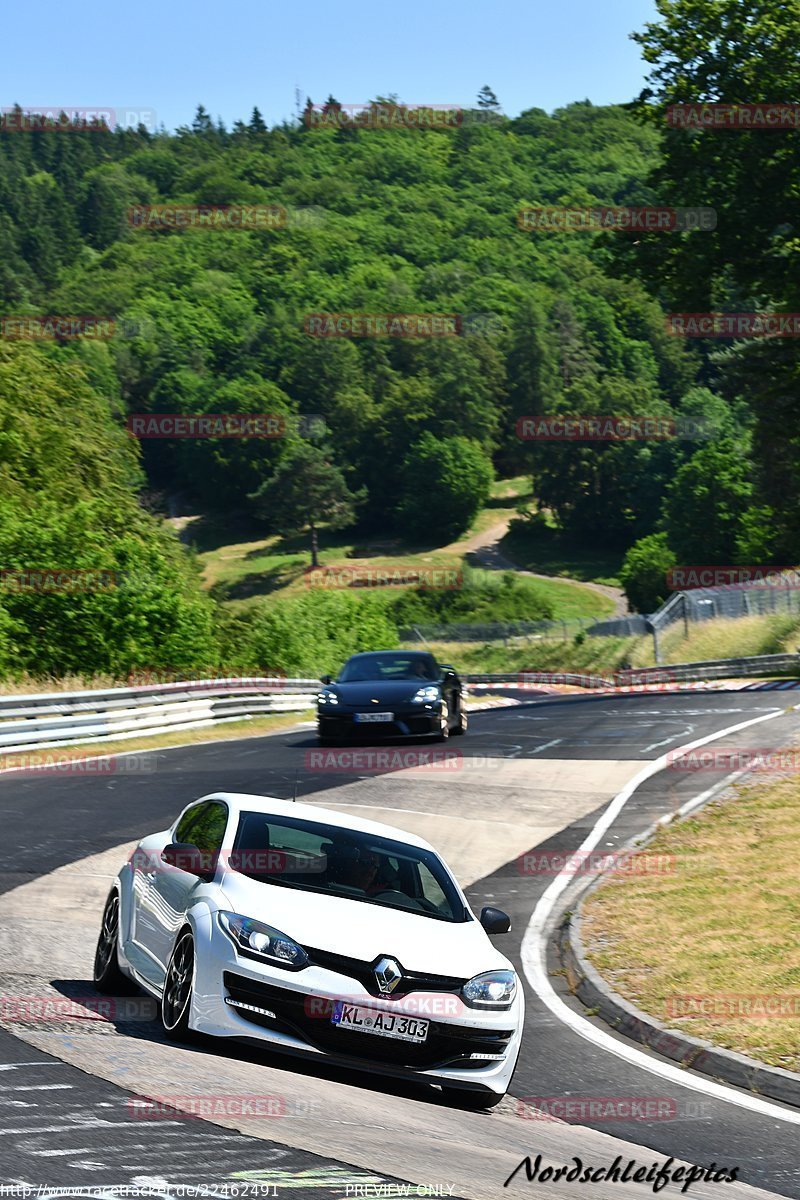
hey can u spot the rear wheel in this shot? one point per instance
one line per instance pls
(107, 975)
(461, 727)
(176, 999)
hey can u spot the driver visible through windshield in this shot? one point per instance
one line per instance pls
(316, 857)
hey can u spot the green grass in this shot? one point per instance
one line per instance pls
(721, 922)
(595, 656)
(538, 546)
(741, 638)
(241, 565)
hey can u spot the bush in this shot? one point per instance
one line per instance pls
(444, 484)
(130, 597)
(644, 572)
(311, 636)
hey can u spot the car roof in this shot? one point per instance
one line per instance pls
(243, 801)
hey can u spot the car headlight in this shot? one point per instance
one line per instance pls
(327, 698)
(493, 989)
(426, 695)
(262, 940)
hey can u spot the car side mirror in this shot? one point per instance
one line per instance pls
(186, 857)
(326, 679)
(494, 920)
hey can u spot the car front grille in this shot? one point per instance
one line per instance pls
(295, 1013)
(364, 972)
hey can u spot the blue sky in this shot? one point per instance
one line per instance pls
(169, 57)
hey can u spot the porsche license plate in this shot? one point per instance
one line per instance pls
(373, 718)
(379, 1023)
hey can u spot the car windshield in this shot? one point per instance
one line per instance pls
(315, 857)
(389, 666)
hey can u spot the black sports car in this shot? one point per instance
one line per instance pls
(391, 693)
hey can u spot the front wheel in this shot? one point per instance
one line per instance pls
(474, 1101)
(444, 723)
(176, 999)
(106, 975)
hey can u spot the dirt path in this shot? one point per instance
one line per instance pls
(485, 547)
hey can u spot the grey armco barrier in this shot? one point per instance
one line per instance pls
(48, 719)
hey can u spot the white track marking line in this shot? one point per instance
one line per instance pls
(534, 946)
(546, 746)
(38, 1063)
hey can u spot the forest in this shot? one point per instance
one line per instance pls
(398, 428)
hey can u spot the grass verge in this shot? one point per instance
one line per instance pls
(723, 923)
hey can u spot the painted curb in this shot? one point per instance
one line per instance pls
(691, 1053)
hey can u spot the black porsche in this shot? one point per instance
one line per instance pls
(391, 693)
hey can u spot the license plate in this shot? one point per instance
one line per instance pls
(382, 1024)
(373, 717)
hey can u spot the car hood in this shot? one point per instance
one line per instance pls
(365, 931)
(387, 691)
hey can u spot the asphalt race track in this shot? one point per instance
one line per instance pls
(534, 776)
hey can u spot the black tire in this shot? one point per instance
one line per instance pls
(106, 974)
(444, 727)
(461, 727)
(473, 1101)
(176, 999)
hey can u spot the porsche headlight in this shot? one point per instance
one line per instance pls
(426, 695)
(493, 989)
(253, 937)
(327, 698)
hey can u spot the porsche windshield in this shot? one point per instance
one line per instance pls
(315, 857)
(371, 667)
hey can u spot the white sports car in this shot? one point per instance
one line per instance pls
(321, 935)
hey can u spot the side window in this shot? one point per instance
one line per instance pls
(203, 826)
(183, 833)
(208, 828)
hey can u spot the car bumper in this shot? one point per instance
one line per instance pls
(241, 998)
(340, 725)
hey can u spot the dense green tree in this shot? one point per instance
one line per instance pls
(306, 491)
(444, 483)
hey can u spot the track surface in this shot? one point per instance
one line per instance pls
(60, 1126)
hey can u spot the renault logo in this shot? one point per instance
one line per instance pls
(388, 975)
